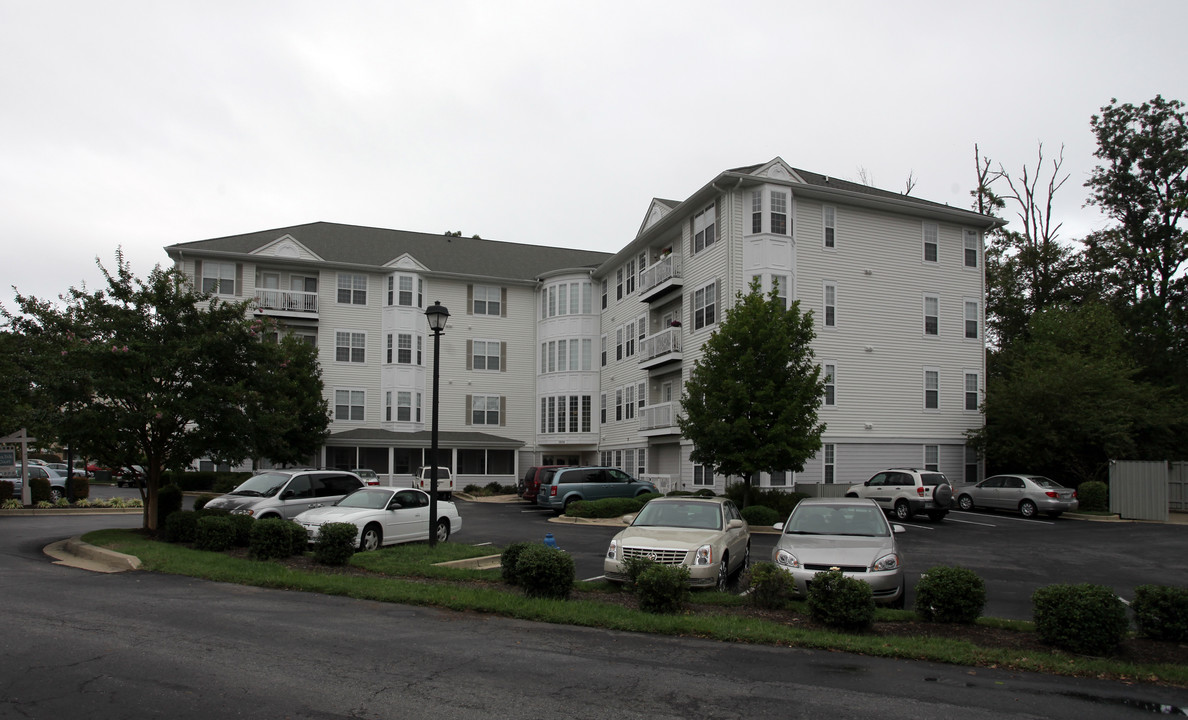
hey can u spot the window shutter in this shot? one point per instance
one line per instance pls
(469, 300)
(198, 275)
(502, 410)
(502, 357)
(502, 302)
(239, 279)
(469, 354)
(469, 416)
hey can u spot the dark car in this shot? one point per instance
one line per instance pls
(529, 485)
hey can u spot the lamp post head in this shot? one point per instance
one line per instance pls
(437, 314)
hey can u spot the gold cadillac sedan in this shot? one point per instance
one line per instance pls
(705, 534)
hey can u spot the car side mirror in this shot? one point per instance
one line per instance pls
(286, 495)
(628, 519)
(779, 525)
(734, 524)
(867, 483)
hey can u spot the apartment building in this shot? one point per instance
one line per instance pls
(553, 355)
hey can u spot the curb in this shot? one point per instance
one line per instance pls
(76, 553)
(72, 511)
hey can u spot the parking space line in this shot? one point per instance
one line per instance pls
(921, 527)
(1010, 517)
(969, 522)
(595, 579)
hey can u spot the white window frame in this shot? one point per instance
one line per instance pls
(829, 463)
(780, 200)
(486, 355)
(481, 411)
(355, 286)
(486, 302)
(404, 406)
(829, 227)
(829, 304)
(972, 324)
(355, 341)
(705, 312)
(931, 452)
(932, 313)
(930, 233)
(974, 393)
(221, 283)
(401, 348)
(931, 374)
(352, 395)
(705, 228)
(971, 244)
(703, 475)
(829, 375)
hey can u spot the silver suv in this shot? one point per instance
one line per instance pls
(286, 493)
(907, 491)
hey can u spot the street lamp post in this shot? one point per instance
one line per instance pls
(437, 316)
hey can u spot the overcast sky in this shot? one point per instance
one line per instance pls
(143, 124)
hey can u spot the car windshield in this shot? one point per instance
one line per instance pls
(815, 519)
(262, 485)
(370, 499)
(705, 516)
(932, 479)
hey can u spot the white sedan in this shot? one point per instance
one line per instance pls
(384, 516)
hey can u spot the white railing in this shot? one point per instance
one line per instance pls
(663, 483)
(664, 342)
(665, 269)
(662, 415)
(292, 300)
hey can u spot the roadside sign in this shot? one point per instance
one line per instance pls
(7, 462)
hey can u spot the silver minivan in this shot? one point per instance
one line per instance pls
(287, 493)
(570, 484)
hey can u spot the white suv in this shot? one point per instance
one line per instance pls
(907, 491)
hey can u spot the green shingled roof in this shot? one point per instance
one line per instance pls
(375, 247)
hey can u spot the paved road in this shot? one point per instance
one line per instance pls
(139, 645)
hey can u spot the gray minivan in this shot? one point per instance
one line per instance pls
(570, 484)
(286, 493)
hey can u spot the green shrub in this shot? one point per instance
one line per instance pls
(545, 572)
(201, 500)
(272, 539)
(779, 500)
(841, 602)
(1087, 619)
(1161, 612)
(634, 567)
(663, 588)
(39, 490)
(1093, 495)
(215, 533)
(761, 515)
(77, 488)
(181, 526)
(336, 543)
(493, 487)
(7, 490)
(472, 489)
(508, 559)
(770, 587)
(605, 508)
(241, 525)
(950, 594)
(646, 498)
(169, 501)
(298, 538)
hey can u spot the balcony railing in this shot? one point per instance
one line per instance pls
(665, 342)
(288, 300)
(659, 416)
(666, 269)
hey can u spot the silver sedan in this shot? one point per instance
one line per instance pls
(1028, 494)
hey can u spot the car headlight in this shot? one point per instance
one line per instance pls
(243, 511)
(787, 559)
(612, 552)
(887, 562)
(703, 555)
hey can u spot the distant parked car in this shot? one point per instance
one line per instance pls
(131, 476)
(287, 493)
(367, 475)
(384, 516)
(570, 484)
(849, 534)
(1029, 494)
(56, 479)
(529, 485)
(907, 491)
(706, 535)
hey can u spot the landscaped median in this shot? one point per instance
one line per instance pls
(412, 574)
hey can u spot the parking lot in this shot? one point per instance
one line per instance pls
(1013, 555)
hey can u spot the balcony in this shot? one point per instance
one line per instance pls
(287, 302)
(659, 279)
(659, 419)
(660, 349)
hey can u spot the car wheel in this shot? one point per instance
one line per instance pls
(371, 538)
(56, 494)
(724, 573)
(746, 563)
(937, 515)
(853, 495)
(443, 530)
(903, 511)
(1027, 508)
(965, 502)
